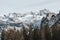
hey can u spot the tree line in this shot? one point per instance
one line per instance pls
(45, 33)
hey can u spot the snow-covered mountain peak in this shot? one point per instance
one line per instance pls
(28, 18)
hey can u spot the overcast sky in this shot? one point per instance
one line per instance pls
(10, 6)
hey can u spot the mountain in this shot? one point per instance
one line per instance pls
(40, 18)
